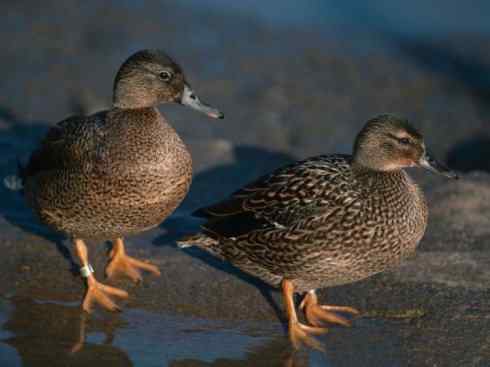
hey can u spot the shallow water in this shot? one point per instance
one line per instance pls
(35, 333)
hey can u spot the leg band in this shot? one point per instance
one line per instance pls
(86, 270)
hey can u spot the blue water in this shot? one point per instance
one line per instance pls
(135, 337)
(34, 333)
(416, 18)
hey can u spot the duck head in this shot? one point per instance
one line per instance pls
(149, 78)
(389, 143)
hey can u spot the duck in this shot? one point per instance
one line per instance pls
(117, 172)
(325, 221)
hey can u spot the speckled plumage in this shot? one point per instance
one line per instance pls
(107, 175)
(327, 220)
(318, 224)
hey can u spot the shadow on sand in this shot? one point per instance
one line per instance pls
(16, 144)
(217, 183)
(470, 155)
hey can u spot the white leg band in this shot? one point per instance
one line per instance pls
(86, 270)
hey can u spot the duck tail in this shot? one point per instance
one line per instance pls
(206, 240)
(199, 239)
(15, 182)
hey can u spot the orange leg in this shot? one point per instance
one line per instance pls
(318, 314)
(121, 263)
(96, 292)
(81, 335)
(298, 332)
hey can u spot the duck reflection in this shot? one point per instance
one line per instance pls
(275, 353)
(54, 334)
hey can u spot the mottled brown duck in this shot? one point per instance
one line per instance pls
(116, 172)
(326, 221)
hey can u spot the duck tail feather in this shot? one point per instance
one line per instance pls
(199, 239)
(15, 182)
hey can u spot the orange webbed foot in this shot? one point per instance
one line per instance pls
(300, 334)
(317, 314)
(98, 293)
(120, 263)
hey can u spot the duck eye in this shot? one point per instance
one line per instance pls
(165, 75)
(404, 141)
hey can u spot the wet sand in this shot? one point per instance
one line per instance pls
(300, 89)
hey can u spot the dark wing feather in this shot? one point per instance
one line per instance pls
(280, 199)
(66, 145)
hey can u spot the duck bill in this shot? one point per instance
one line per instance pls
(433, 165)
(190, 99)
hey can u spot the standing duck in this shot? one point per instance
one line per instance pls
(117, 172)
(326, 221)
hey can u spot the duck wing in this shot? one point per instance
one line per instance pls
(282, 198)
(73, 143)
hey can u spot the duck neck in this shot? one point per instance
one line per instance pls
(378, 179)
(128, 94)
(132, 101)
